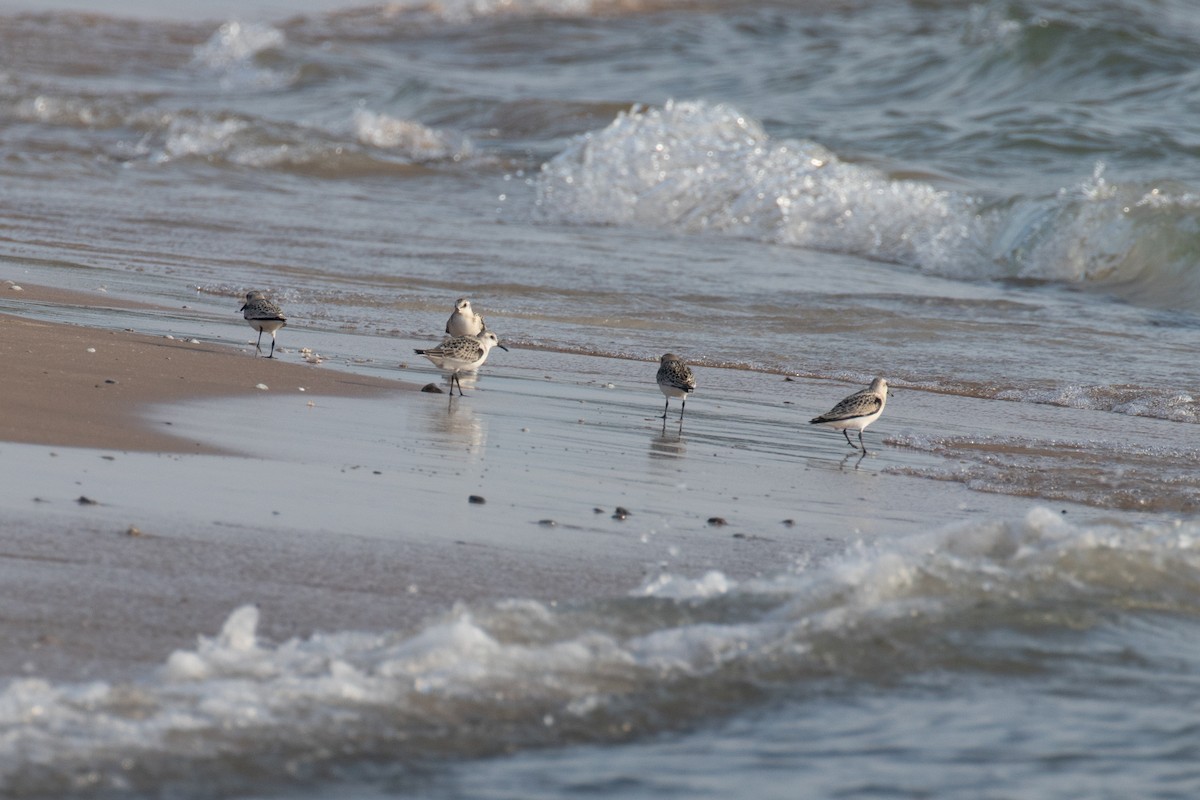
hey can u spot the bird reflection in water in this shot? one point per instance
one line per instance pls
(668, 445)
(454, 429)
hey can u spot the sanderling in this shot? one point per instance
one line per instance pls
(856, 412)
(263, 315)
(464, 321)
(462, 353)
(675, 379)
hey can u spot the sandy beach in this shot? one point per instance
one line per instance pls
(304, 577)
(81, 387)
(151, 488)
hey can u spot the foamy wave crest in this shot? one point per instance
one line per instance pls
(70, 111)
(233, 52)
(261, 144)
(699, 167)
(466, 10)
(374, 142)
(416, 141)
(203, 137)
(713, 584)
(1138, 240)
(252, 713)
(379, 20)
(246, 142)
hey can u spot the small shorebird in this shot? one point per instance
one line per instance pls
(464, 321)
(461, 353)
(856, 412)
(675, 379)
(263, 315)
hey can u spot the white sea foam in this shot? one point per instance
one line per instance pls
(164, 136)
(233, 50)
(461, 11)
(235, 43)
(702, 168)
(250, 142)
(242, 141)
(415, 141)
(712, 584)
(202, 137)
(280, 709)
(67, 111)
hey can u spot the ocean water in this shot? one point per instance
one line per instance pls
(1029, 658)
(994, 200)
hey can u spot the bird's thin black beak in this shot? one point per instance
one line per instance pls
(502, 347)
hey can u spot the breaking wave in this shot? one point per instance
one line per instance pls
(523, 674)
(234, 52)
(383, 20)
(368, 141)
(697, 167)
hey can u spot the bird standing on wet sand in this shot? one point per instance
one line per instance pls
(263, 315)
(675, 379)
(856, 412)
(461, 353)
(464, 321)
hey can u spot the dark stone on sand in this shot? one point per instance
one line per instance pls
(717, 521)
(84, 500)
(476, 499)
(432, 388)
(547, 523)
(620, 513)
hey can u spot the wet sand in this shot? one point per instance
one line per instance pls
(83, 387)
(138, 514)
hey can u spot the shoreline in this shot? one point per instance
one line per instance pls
(347, 506)
(77, 386)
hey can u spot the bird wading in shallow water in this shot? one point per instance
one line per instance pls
(264, 316)
(856, 412)
(675, 379)
(461, 353)
(464, 321)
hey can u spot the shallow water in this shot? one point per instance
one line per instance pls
(996, 205)
(1030, 658)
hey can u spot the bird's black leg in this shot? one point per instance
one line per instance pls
(846, 433)
(272, 346)
(682, 406)
(258, 344)
(860, 443)
(666, 405)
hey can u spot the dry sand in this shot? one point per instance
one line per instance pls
(346, 506)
